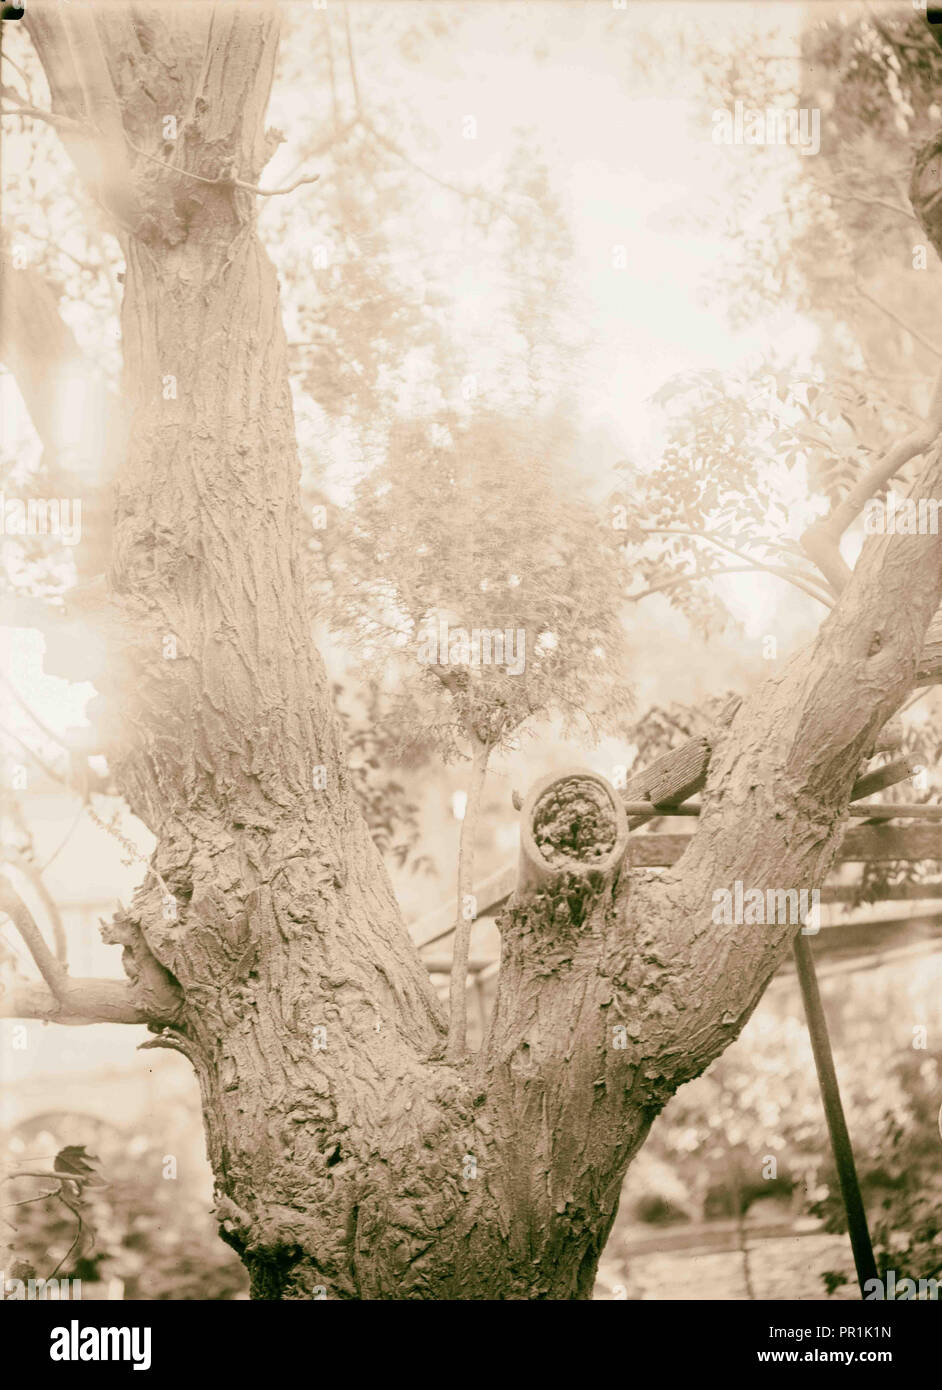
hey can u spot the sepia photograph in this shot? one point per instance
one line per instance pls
(470, 728)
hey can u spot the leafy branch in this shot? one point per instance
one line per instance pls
(73, 1171)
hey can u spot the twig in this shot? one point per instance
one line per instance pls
(275, 192)
(82, 265)
(882, 777)
(350, 59)
(690, 578)
(35, 875)
(130, 849)
(862, 810)
(52, 970)
(78, 1237)
(900, 322)
(801, 581)
(66, 837)
(467, 193)
(53, 738)
(25, 1201)
(873, 203)
(16, 67)
(224, 180)
(40, 762)
(69, 1193)
(23, 108)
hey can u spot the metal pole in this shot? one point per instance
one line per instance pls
(834, 1112)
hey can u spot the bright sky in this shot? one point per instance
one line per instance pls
(629, 155)
(632, 157)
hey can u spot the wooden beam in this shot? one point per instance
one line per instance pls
(896, 937)
(441, 965)
(885, 933)
(679, 774)
(882, 777)
(489, 894)
(893, 892)
(647, 851)
(861, 810)
(670, 778)
(868, 842)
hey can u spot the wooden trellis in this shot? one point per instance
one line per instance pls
(663, 790)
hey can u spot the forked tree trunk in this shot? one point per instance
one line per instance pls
(348, 1155)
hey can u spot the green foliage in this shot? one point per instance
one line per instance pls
(708, 1154)
(901, 1178)
(154, 1235)
(662, 728)
(74, 1171)
(831, 239)
(730, 488)
(389, 812)
(478, 522)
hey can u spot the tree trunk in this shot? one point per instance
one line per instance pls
(348, 1155)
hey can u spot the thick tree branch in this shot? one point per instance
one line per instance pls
(52, 970)
(777, 793)
(85, 1001)
(34, 874)
(822, 540)
(152, 997)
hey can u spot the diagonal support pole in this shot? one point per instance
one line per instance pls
(834, 1113)
(661, 790)
(674, 778)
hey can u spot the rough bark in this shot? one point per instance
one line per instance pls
(348, 1154)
